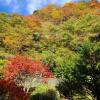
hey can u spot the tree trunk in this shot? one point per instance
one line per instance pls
(96, 87)
(98, 97)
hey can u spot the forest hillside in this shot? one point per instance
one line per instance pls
(56, 44)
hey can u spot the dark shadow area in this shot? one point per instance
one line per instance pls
(50, 95)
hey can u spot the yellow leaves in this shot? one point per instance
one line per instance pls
(8, 40)
(2, 64)
(56, 14)
(11, 40)
(81, 8)
(15, 41)
(11, 43)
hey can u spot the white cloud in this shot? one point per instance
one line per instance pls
(30, 8)
(32, 5)
(36, 4)
(8, 2)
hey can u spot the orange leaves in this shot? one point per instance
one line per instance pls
(78, 9)
(48, 9)
(70, 5)
(95, 4)
(32, 21)
(12, 40)
(58, 14)
(16, 42)
(68, 9)
(8, 40)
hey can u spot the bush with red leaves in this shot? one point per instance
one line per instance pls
(10, 91)
(24, 71)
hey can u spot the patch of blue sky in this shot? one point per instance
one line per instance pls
(26, 7)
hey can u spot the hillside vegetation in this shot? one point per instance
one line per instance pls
(65, 39)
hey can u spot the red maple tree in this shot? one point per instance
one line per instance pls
(10, 91)
(21, 64)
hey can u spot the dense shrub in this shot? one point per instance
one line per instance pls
(25, 72)
(83, 24)
(44, 92)
(52, 35)
(10, 91)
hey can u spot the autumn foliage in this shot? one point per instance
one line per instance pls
(32, 21)
(20, 65)
(23, 64)
(9, 90)
(66, 38)
(17, 66)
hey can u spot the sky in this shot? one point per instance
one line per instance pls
(26, 7)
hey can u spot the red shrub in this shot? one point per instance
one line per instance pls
(19, 71)
(11, 91)
(20, 64)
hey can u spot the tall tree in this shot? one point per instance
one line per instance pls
(87, 70)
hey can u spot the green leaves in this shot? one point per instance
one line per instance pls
(65, 38)
(83, 24)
